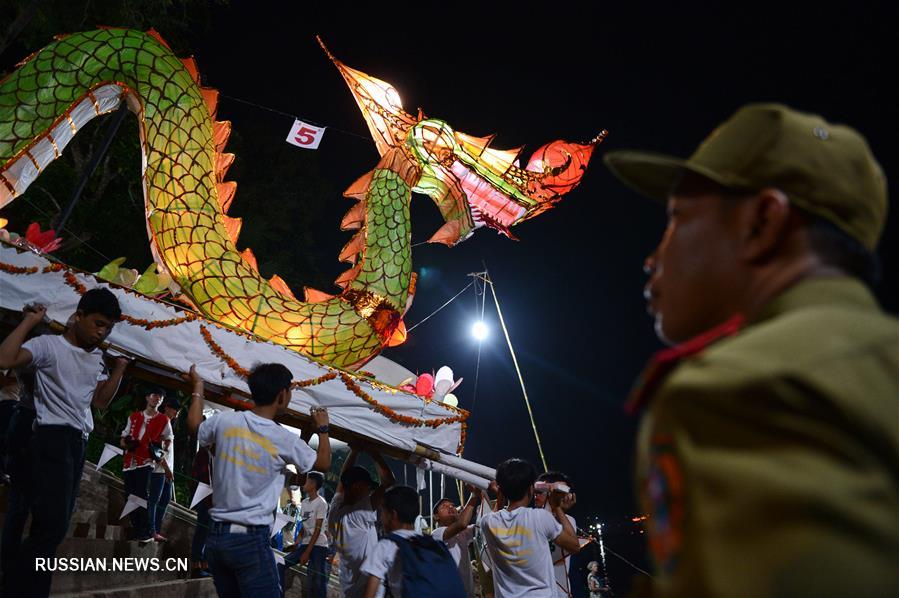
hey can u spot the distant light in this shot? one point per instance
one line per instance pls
(479, 330)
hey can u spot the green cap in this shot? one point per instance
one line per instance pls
(825, 169)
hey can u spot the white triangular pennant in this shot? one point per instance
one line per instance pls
(203, 490)
(109, 452)
(280, 521)
(279, 559)
(420, 479)
(133, 502)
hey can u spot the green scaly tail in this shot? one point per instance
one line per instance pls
(58, 89)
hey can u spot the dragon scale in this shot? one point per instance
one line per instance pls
(80, 76)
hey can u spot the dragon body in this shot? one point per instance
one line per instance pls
(78, 77)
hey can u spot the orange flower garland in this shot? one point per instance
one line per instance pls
(462, 437)
(390, 413)
(314, 381)
(72, 281)
(10, 269)
(220, 353)
(151, 324)
(347, 381)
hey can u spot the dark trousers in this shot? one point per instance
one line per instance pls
(7, 408)
(18, 466)
(137, 482)
(160, 494)
(242, 564)
(317, 570)
(57, 454)
(204, 521)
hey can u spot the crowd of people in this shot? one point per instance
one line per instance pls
(368, 528)
(766, 458)
(369, 525)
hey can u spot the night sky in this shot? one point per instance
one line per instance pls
(656, 76)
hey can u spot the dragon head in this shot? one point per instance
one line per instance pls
(472, 184)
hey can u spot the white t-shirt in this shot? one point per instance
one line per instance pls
(251, 453)
(310, 512)
(355, 537)
(518, 543)
(561, 560)
(65, 380)
(458, 548)
(137, 434)
(383, 564)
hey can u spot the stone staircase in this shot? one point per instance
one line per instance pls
(96, 532)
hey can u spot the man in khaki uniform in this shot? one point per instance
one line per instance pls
(768, 456)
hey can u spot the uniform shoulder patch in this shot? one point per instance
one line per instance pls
(663, 498)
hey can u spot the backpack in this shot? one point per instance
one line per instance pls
(428, 568)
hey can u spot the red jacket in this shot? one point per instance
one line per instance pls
(155, 427)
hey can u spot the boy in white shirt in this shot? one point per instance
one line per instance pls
(561, 558)
(518, 537)
(405, 556)
(251, 454)
(69, 377)
(455, 530)
(313, 542)
(353, 517)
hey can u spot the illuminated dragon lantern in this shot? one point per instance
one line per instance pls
(58, 89)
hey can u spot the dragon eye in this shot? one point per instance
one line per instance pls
(435, 139)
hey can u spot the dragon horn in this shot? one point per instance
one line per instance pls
(380, 104)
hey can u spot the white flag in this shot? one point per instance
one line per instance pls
(134, 502)
(483, 509)
(280, 521)
(305, 135)
(203, 490)
(109, 452)
(420, 479)
(279, 558)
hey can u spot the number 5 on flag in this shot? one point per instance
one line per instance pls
(305, 135)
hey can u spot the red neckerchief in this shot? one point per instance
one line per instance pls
(663, 362)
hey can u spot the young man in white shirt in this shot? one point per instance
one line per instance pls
(518, 537)
(252, 452)
(353, 517)
(456, 531)
(313, 549)
(69, 378)
(546, 484)
(404, 562)
(163, 477)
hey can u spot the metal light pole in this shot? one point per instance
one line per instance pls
(485, 276)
